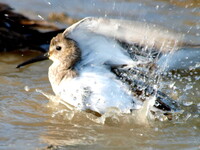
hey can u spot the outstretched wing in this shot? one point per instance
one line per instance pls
(110, 37)
(122, 43)
(151, 37)
(132, 32)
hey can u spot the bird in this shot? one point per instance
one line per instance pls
(23, 32)
(100, 63)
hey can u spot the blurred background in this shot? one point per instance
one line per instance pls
(180, 15)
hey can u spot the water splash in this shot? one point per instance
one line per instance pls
(56, 100)
(112, 116)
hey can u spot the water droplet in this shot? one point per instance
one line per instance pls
(196, 116)
(113, 6)
(188, 87)
(40, 17)
(194, 127)
(172, 85)
(26, 88)
(156, 129)
(197, 27)
(197, 65)
(188, 116)
(187, 103)
(157, 7)
(198, 105)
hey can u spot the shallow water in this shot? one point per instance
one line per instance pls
(29, 121)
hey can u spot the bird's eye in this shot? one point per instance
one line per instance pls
(58, 48)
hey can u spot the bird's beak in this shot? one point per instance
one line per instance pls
(35, 59)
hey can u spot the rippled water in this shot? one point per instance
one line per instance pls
(29, 121)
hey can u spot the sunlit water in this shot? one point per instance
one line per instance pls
(29, 120)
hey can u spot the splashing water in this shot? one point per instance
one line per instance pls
(112, 116)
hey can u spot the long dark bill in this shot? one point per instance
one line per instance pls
(33, 60)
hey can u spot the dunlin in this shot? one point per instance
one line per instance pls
(95, 65)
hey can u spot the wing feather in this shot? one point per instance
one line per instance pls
(141, 33)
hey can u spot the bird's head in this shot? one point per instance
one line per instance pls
(61, 50)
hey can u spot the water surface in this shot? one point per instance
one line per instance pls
(29, 121)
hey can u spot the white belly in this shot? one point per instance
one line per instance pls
(97, 91)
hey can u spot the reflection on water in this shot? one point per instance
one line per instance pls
(29, 121)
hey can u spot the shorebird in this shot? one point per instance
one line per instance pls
(100, 63)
